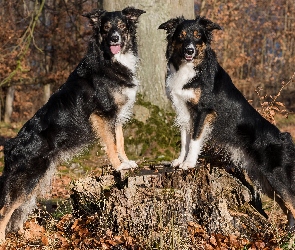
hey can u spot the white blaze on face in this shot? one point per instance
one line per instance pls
(190, 52)
(115, 46)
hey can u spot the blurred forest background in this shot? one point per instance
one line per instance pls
(41, 42)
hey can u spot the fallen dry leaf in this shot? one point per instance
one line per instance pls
(33, 231)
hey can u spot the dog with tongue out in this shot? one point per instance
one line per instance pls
(115, 42)
(116, 32)
(93, 104)
(115, 49)
(110, 65)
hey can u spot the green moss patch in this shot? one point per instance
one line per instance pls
(155, 139)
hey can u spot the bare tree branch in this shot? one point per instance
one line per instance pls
(25, 42)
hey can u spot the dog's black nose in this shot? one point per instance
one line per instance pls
(189, 51)
(114, 38)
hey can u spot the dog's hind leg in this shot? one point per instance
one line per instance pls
(20, 185)
(5, 215)
(291, 221)
(274, 188)
(290, 212)
(120, 146)
(19, 216)
(288, 208)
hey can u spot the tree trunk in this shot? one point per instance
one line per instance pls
(162, 206)
(9, 103)
(151, 41)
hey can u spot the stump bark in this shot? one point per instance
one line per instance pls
(160, 204)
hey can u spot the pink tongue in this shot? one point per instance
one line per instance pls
(115, 48)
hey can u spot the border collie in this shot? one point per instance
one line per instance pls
(94, 102)
(211, 109)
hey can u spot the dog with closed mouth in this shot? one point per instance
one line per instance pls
(211, 109)
(94, 102)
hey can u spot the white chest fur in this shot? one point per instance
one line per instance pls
(125, 111)
(129, 60)
(179, 96)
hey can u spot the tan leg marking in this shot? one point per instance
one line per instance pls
(120, 99)
(6, 213)
(105, 132)
(120, 142)
(197, 97)
(210, 118)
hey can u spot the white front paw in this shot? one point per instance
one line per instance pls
(187, 164)
(176, 162)
(132, 164)
(127, 165)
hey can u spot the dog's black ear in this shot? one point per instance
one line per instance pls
(94, 16)
(207, 24)
(132, 14)
(171, 24)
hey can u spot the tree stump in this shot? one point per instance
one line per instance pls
(160, 204)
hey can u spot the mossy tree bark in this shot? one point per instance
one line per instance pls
(152, 44)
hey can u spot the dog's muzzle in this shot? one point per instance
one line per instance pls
(189, 52)
(115, 43)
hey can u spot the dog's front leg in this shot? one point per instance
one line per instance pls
(179, 99)
(120, 148)
(185, 139)
(201, 128)
(105, 130)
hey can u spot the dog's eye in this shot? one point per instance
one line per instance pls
(182, 34)
(106, 27)
(122, 26)
(197, 35)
